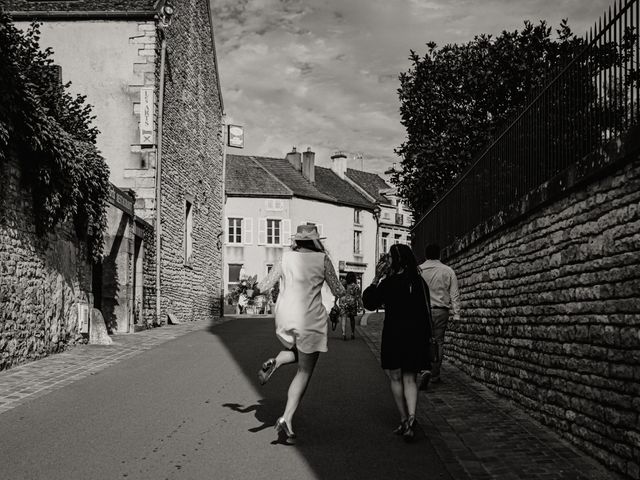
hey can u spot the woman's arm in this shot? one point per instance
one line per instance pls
(271, 279)
(373, 296)
(332, 279)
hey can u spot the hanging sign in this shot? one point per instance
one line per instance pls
(146, 115)
(235, 136)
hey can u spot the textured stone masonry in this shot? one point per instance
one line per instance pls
(42, 279)
(192, 167)
(551, 316)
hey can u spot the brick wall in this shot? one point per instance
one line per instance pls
(41, 279)
(551, 316)
(191, 166)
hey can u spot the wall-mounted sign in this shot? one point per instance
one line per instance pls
(235, 136)
(146, 116)
(123, 200)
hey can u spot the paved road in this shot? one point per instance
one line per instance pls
(191, 408)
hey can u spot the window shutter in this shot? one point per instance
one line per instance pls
(247, 230)
(262, 231)
(286, 232)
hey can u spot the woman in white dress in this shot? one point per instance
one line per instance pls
(301, 319)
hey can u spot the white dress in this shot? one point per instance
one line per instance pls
(301, 319)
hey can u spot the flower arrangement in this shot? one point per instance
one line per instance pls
(242, 294)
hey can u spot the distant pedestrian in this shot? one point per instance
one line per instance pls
(301, 318)
(445, 298)
(398, 287)
(350, 304)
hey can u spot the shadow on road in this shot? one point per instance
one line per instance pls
(345, 422)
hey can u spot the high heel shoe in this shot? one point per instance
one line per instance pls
(268, 367)
(283, 427)
(409, 432)
(399, 430)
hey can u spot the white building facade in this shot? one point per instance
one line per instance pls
(267, 198)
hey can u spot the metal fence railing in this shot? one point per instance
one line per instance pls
(593, 100)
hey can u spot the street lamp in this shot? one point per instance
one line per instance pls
(376, 215)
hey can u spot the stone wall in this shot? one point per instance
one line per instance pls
(191, 167)
(551, 316)
(41, 279)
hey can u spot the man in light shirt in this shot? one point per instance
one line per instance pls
(445, 297)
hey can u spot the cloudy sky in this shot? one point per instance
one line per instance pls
(324, 73)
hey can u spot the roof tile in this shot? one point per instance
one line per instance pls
(247, 177)
(370, 183)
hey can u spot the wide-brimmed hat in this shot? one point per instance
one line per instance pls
(307, 232)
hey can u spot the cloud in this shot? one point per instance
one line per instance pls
(325, 74)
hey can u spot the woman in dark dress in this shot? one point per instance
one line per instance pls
(399, 287)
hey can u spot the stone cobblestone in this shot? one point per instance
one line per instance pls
(25, 382)
(480, 435)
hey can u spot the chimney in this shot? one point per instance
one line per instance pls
(339, 164)
(308, 165)
(294, 158)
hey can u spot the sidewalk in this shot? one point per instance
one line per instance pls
(34, 379)
(481, 436)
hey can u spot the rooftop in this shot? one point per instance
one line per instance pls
(246, 177)
(370, 183)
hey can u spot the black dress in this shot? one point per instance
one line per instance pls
(407, 321)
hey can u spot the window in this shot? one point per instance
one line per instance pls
(356, 217)
(275, 204)
(234, 274)
(357, 242)
(269, 268)
(273, 232)
(188, 232)
(385, 242)
(234, 230)
(398, 238)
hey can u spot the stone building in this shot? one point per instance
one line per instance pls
(149, 69)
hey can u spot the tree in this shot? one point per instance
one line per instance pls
(52, 136)
(454, 99)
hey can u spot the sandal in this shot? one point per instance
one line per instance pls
(268, 367)
(409, 433)
(399, 430)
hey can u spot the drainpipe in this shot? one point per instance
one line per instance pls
(163, 53)
(224, 209)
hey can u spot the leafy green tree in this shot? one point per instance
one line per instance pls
(454, 99)
(51, 134)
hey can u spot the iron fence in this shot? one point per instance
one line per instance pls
(592, 101)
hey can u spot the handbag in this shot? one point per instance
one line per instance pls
(434, 348)
(334, 314)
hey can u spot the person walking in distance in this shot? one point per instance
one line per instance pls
(300, 317)
(445, 298)
(406, 331)
(350, 304)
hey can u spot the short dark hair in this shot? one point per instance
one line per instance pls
(432, 251)
(351, 278)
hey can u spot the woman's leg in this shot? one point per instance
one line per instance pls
(410, 391)
(343, 324)
(397, 389)
(352, 318)
(285, 356)
(306, 364)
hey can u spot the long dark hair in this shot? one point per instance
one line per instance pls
(402, 258)
(314, 245)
